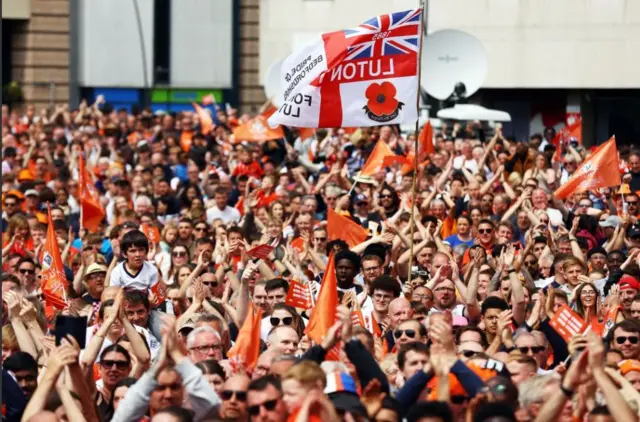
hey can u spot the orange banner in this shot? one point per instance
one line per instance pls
(92, 211)
(299, 295)
(54, 282)
(257, 130)
(567, 323)
(597, 171)
(246, 349)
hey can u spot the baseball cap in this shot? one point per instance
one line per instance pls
(95, 268)
(628, 282)
(611, 221)
(634, 231)
(188, 326)
(361, 198)
(31, 192)
(343, 393)
(629, 365)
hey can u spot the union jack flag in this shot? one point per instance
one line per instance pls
(394, 33)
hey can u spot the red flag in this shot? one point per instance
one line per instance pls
(260, 251)
(425, 142)
(323, 315)
(339, 227)
(54, 282)
(567, 323)
(380, 157)
(206, 122)
(299, 295)
(92, 211)
(597, 171)
(572, 131)
(246, 350)
(257, 130)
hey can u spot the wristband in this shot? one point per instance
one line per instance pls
(566, 391)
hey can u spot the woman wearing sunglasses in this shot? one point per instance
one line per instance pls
(286, 315)
(179, 257)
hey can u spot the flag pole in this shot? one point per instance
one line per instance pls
(414, 191)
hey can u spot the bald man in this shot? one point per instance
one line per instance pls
(263, 366)
(234, 398)
(283, 339)
(399, 311)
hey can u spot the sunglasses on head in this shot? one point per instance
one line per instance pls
(534, 349)
(120, 364)
(409, 333)
(269, 405)
(227, 394)
(275, 321)
(623, 339)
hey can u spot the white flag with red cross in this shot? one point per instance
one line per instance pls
(366, 76)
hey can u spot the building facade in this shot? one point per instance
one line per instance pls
(548, 59)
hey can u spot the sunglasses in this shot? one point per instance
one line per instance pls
(410, 333)
(468, 353)
(10, 204)
(485, 231)
(179, 254)
(269, 405)
(632, 202)
(319, 239)
(533, 262)
(120, 364)
(534, 349)
(200, 229)
(385, 196)
(26, 271)
(459, 399)
(623, 339)
(227, 394)
(210, 283)
(276, 321)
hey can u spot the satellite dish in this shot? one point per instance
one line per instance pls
(449, 57)
(272, 88)
(473, 112)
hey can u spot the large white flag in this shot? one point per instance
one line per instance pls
(366, 76)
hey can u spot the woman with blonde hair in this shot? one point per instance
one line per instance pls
(17, 239)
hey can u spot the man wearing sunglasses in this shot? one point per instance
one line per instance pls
(528, 345)
(264, 400)
(234, 398)
(625, 337)
(27, 274)
(409, 331)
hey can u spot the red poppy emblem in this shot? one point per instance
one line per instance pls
(382, 105)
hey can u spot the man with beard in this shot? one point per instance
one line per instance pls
(629, 288)
(234, 398)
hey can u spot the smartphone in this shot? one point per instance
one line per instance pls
(74, 326)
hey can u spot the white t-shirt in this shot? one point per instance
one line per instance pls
(228, 215)
(145, 279)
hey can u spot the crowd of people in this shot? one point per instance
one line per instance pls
(462, 322)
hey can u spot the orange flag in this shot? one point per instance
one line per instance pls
(54, 282)
(92, 211)
(573, 131)
(425, 142)
(257, 130)
(246, 349)
(323, 315)
(380, 157)
(206, 122)
(340, 227)
(597, 171)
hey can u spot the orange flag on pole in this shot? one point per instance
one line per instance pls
(257, 130)
(425, 142)
(206, 121)
(92, 211)
(54, 282)
(340, 227)
(600, 170)
(246, 349)
(323, 315)
(380, 157)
